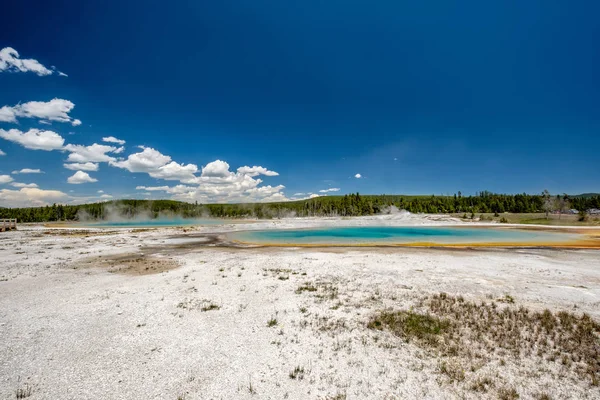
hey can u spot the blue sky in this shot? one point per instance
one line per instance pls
(417, 98)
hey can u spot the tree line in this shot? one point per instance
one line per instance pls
(344, 206)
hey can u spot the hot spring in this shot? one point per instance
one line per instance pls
(409, 235)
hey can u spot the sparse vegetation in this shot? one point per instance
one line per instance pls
(338, 396)
(196, 304)
(452, 327)
(272, 322)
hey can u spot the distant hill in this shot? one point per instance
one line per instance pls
(586, 195)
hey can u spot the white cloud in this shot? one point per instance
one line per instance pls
(28, 171)
(34, 139)
(81, 177)
(255, 171)
(100, 191)
(216, 169)
(216, 182)
(11, 62)
(30, 197)
(329, 190)
(5, 179)
(106, 196)
(299, 194)
(94, 153)
(148, 160)
(53, 110)
(314, 195)
(7, 114)
(24, 185)
(358, 176)
(88, 166)
(174, 171)
(2, 153)
(112, 139)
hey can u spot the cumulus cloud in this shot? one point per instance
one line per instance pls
(329, 190)
(100, 191)
(24, 185)
(157, 165)
(5, 179)
(147, 160)
(30, 197)
(174, 171)
(314, 195)
(255, 171)
(29, 171)
(86, 154)
(215, 183)
(10, 61)
(34, 139)
(358, 176)
(106, 196)
(53, 110)
(80, 177)
(88, 166)
(112, 139)
(216, 169)
(218, 184)
(2, 153)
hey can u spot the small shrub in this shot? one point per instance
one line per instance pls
(24, 392)
(503, 220)
(452, 370)
(482, 384)
(272, 322)
(508, 394)
(307, 287)
(506, 299)
(297, 373)
(209, 307)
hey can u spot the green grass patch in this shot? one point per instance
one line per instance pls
(408, 324)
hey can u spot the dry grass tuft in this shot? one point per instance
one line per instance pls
(23, 392)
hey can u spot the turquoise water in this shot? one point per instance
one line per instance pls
(155, 223)
(401, 235)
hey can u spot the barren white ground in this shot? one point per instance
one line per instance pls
(73, 332)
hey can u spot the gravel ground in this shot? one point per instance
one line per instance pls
(81, 317)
